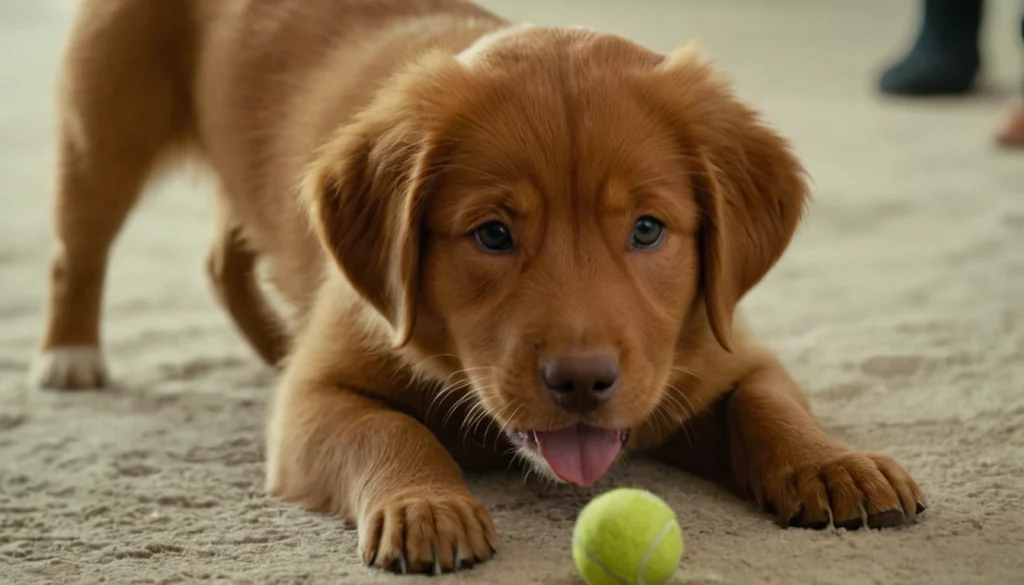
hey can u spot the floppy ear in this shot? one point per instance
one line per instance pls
(367, 191)
(750, 187)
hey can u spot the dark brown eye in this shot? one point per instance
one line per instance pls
(494, 237)
(648, 233)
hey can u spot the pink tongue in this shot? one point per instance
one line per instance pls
(579, 454)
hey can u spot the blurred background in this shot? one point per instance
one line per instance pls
(899, 307)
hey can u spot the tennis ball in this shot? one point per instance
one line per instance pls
(627, 536)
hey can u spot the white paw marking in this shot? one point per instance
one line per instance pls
(69, 368)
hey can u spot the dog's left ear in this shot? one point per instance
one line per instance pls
(751, 188)
(367, 191)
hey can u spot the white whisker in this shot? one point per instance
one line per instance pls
(687, 371)
(682, 419)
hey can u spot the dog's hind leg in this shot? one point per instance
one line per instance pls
(231, 265)
(124, 105)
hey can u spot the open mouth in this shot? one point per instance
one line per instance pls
(578, 454)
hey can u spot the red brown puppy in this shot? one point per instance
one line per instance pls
(534, 235)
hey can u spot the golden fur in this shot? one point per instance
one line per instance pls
(359, 146)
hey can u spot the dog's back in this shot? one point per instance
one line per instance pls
(253, 88)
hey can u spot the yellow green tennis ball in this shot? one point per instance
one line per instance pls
(627, 536)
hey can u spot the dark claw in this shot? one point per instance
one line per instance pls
(888, 519)
(398, 565)
(857, 522)
(851, 524)
(785, 521)
(921, 507)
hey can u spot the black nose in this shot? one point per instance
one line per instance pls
(581, 383)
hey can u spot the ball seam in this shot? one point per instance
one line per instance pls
(607, 571)
(662, 535)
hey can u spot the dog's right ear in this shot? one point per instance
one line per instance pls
(367, 191)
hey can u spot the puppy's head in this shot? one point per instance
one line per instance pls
(546, 213)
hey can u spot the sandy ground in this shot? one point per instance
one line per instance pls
(900, 307)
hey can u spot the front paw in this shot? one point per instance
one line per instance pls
(848, 490)
(426, 531)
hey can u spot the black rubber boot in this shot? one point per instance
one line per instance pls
(945, 58)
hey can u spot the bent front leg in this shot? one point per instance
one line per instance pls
(762, 440)
(336, 450)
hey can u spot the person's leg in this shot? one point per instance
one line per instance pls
(945, 57)
(1011, 131)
